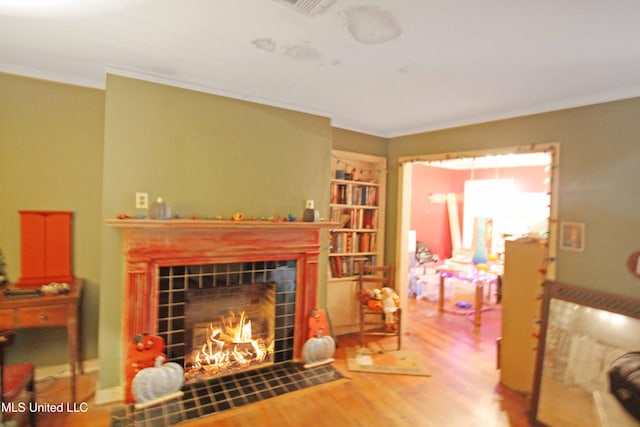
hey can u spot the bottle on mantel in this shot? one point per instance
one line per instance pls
(159, 210)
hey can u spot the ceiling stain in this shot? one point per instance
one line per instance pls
(298, 52)
(303, 52)
(370, 24)
(265, 44)
(407, 68)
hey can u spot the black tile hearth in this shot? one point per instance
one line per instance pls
(219, 394)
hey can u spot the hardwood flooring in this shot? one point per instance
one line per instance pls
(463, 389)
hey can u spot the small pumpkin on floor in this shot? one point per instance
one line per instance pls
(142, 352)
(319, 350)
(157, 381)
(320, 347)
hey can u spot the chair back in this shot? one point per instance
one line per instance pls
(16, 382)
(378, 275)
(7, 338)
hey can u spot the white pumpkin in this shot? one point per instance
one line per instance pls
(318, 349)
(152, 383)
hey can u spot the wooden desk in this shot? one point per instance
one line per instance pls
(45, 311)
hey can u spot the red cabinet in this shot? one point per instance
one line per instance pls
(45, 239)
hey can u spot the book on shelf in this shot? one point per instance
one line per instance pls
(336, 266)
(342, 194)
(358, 195)
(364, 242)
(346, 219)
(369, 218)
(348, 266)
(358, 218)
(349, 243)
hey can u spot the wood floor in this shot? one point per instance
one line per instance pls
(463, 389)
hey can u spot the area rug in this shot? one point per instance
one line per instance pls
(399, 362)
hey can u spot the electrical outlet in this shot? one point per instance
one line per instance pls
(308, 204)
(142, 200)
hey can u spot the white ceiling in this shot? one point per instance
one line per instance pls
(385, 67)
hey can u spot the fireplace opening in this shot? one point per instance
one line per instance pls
(228, 329)
(220, 319)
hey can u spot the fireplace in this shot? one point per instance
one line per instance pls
(219, 319)
(266, 271)
(228, 330)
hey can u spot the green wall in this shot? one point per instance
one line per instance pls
(89, 151)
(51, 159)
(205, 155)
(64, 147)
(598, 181)
(347, 140)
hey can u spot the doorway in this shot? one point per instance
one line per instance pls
(483, 165)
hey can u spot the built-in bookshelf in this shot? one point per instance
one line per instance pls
(357, 204)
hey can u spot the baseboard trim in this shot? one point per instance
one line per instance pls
(102, 396)
(57, 371)
(109, 395)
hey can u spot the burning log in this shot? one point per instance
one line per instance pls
(226, 346)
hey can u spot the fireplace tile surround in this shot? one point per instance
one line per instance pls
(176, 282)
(151, 247)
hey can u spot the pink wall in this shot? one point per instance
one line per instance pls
(430, 219)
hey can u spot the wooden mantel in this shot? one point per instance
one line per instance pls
(200, 223)
(150, 244)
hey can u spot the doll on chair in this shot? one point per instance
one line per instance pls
(390, 303)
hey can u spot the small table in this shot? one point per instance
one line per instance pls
(44, 311)
(479, 278)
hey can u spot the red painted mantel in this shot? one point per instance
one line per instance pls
(150, 244)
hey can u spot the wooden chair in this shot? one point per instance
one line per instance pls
(16, 384)
(374, 321)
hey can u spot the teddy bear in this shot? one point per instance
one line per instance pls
(370, 298)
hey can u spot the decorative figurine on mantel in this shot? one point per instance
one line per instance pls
(310, 214)
(159, 210)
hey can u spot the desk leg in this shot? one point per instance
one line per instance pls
(74, 350)
(441, 296)
(478, 313)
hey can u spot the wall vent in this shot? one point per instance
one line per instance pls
(308, 7)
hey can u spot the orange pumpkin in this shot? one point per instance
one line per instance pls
(142, 352)
(374, 304)
(318, 323)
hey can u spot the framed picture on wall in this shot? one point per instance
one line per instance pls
(572, 236)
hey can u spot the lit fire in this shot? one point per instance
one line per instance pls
(229, 345)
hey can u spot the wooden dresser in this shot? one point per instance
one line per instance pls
(521, 288)
(46, 311)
